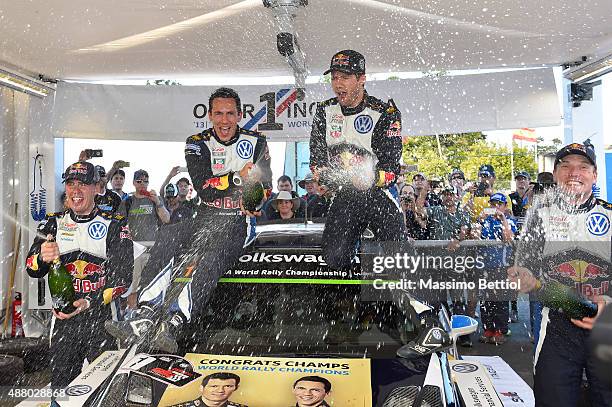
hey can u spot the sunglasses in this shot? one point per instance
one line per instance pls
(141, 181)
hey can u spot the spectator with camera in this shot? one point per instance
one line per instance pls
(416, 227)
(457, 181)
(477, 196)
(116, 177)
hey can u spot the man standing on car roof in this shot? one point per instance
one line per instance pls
(220, 160)
(349, 130)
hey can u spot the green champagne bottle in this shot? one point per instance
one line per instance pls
(558, 296)
(61, 288)
(252, 195)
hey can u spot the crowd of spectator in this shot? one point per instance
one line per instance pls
(462, 210)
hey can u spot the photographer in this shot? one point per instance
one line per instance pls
(477, 197)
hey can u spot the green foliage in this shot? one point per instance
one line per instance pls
(467, 151)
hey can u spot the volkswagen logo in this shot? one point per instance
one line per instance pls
(244, 149)
(598, 224)
(78, 390)
(97, 230)
(465, 368)
(363, 123)
(436, 334)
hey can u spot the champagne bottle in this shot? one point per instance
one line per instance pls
(558, 296)
(252, 195)
(61, 288)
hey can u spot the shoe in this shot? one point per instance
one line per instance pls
(465, 341)
(486, 336)
(129, 331)
(165, 337)
(498, 338)
(514, 316)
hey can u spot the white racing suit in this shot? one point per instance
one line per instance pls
(573, 247)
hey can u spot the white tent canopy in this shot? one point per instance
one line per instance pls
(92, 39)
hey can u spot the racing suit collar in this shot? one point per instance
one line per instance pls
(83, 218)
(230, 141)
(588, 204)
(347, 111)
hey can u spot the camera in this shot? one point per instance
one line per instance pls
(481, 189)
(93, 153)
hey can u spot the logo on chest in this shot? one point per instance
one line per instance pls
(244, 149)
(363, 123)
(97, 230)
(598, 224)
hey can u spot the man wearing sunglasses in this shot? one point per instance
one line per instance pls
(146, 212)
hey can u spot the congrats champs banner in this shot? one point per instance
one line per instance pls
(265, 381)
(430, 105)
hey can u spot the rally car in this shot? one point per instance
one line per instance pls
(280, 300)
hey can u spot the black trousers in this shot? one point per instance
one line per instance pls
(72, 342)
(350, 213)
(563, 354)
(210, 243)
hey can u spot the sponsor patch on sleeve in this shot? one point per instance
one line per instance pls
(395, 129)
(125, 233)
(192, 149)
(32, 262)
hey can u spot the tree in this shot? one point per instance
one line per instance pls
(467, 151)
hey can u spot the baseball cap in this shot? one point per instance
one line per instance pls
(140, 174)
(498, 197)
(348, 61)
(309, 178)
(82, 171)
(486, 169)
(523, 174)
(170, 191)
(456, 173)
(585, 150)
(419, 174)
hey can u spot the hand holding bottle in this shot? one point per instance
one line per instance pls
(80, 305)
(49, 250)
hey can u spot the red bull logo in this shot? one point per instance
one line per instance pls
(81, 269)
(581, 271)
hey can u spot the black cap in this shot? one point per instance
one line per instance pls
(486, 169)
(456, 172)
(524, 174)
(585, 150)
(347, 61)
(140, 174)
(101, 171)
(82, 171)
(171, 191)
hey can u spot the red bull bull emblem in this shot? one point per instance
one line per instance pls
(84, 272)
(581, 271)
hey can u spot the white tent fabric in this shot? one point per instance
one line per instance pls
(92, 39)
(429, 105)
